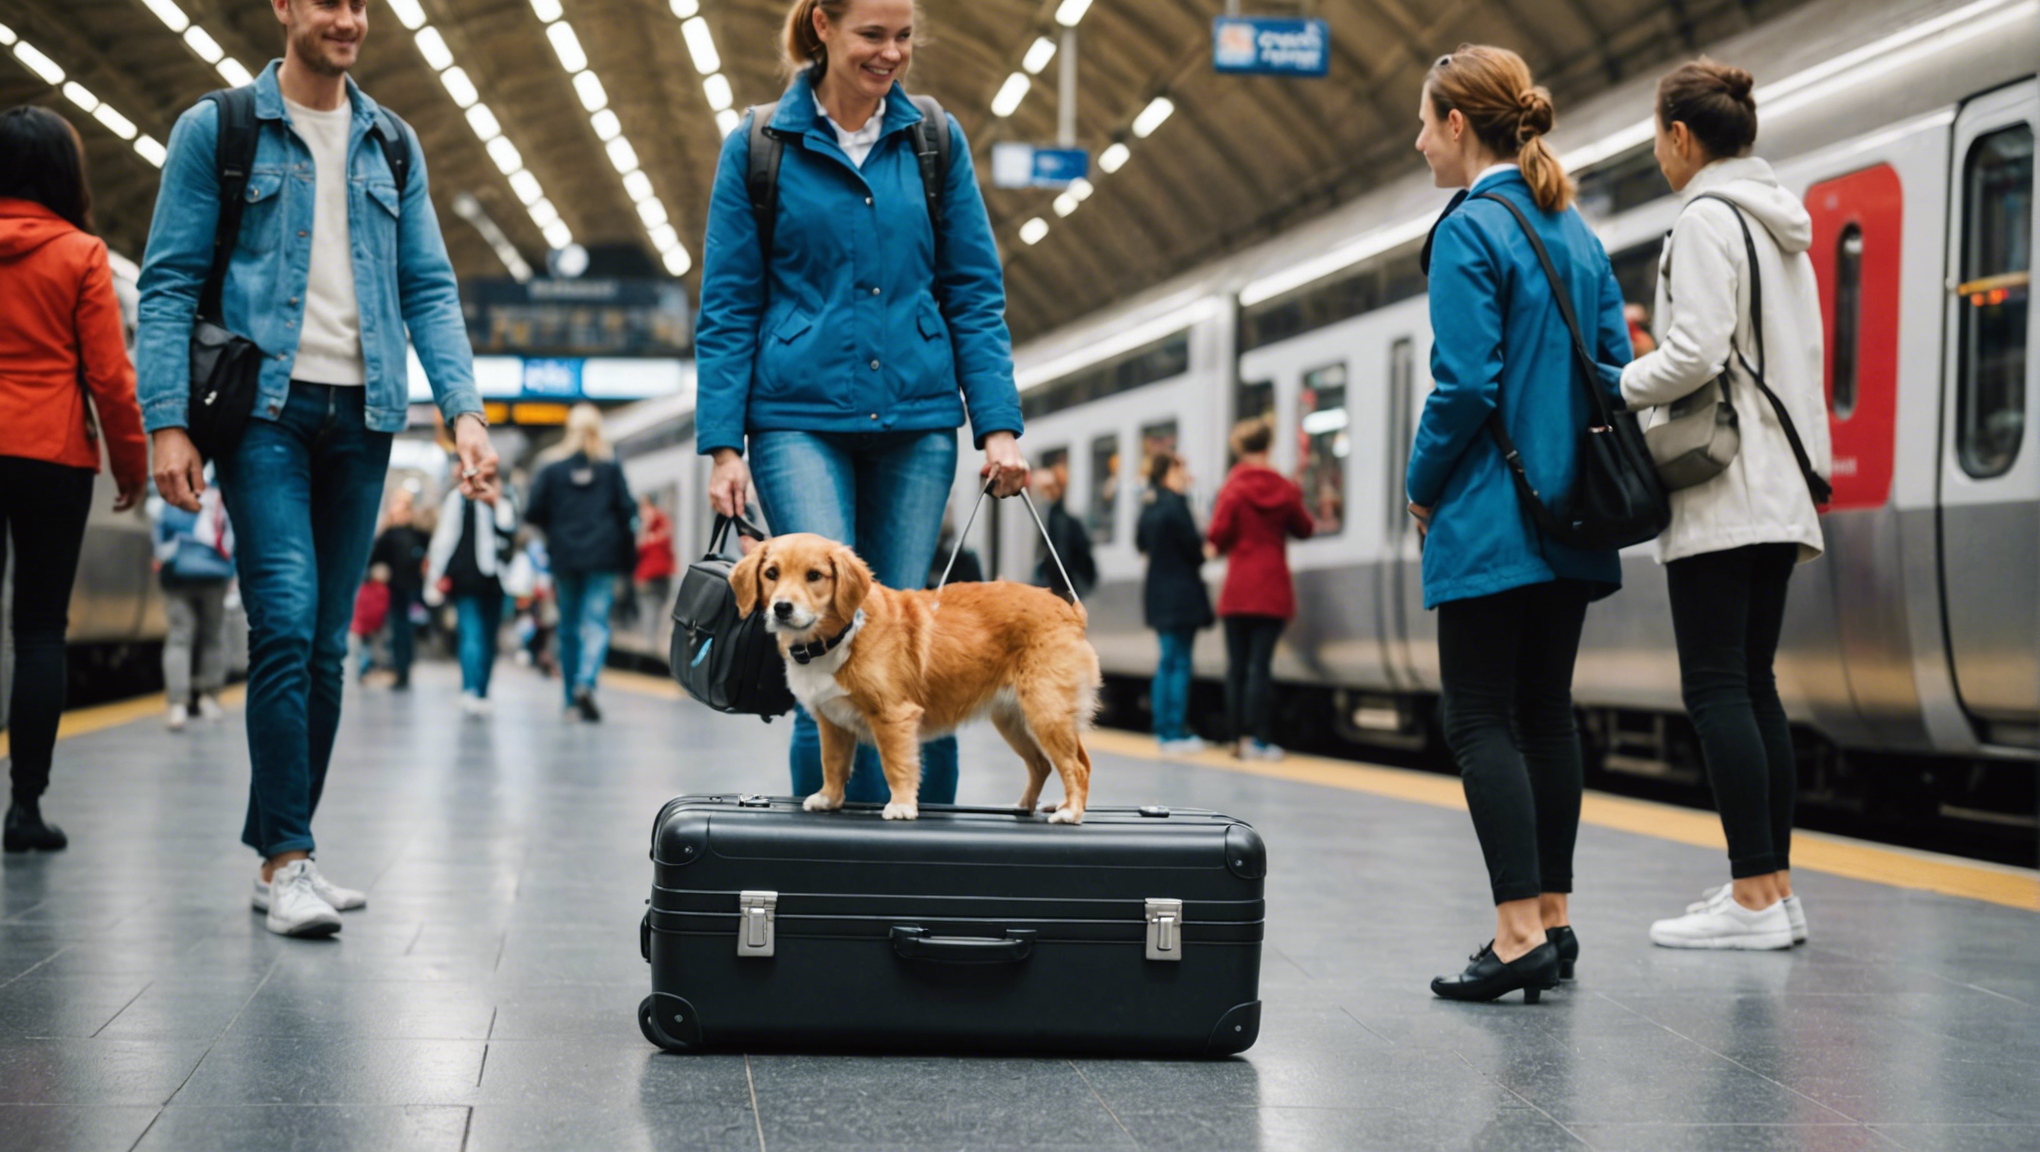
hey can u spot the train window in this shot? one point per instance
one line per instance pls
(1104, 487)
(1156, 439)
(1621, 183)
(1167, 357)
(1995, 288)
(1848, 320)
(1321, 473)
(1375, 286)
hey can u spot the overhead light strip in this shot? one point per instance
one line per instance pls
(715, 85)
(200, 42)
(110, 118)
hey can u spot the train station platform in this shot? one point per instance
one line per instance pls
(486, 998)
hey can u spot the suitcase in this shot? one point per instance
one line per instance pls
(981, 929)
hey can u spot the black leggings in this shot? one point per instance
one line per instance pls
(1727, 611)
(43, 507)
(1507, 665)
(1249, 684)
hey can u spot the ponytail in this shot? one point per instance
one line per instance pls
(1492, 88)
(799, 46)
(1549, 185)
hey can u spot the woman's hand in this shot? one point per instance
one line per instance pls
(1423, 516)
(1004, 466)
(728, 482)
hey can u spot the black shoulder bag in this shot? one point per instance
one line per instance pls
(727, 661)
(225, 368)
(1616, 499)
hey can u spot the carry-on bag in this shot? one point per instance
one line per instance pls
(971, 929)
(727, 661)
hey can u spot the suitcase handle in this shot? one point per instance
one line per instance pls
(917, 944)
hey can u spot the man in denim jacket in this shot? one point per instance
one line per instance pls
(332, 266)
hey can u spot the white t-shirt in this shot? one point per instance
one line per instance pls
(857, 145)
(329, 339)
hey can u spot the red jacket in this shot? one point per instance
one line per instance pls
(59, 322)
(655, 548)
(1257, 507)
(371, 607)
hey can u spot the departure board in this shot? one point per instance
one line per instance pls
(595, 317)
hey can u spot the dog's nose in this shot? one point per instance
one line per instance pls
(783, 609)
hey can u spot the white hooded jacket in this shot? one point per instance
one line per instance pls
(1703, 300)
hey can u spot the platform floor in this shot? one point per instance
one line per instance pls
(486, 997)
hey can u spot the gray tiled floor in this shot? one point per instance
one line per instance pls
(486, 999)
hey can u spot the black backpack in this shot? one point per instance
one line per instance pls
(931, 152)
(727, 661)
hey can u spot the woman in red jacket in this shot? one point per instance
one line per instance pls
(1258, 509)
(60, 338)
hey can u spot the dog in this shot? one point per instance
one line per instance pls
(894, 668)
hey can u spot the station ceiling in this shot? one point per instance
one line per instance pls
(1240, 158)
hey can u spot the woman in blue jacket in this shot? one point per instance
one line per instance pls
(845, 358)
(1510, 602)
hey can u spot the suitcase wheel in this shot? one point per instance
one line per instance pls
(657, 1013)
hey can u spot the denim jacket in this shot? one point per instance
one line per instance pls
(402, 277)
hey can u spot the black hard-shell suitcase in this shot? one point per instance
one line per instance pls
(984, 929)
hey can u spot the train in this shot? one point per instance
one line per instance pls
(1911, 659)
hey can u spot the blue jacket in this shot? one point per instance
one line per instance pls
(854, 327)
(193, 547)
(402, 277)
(1499, 338)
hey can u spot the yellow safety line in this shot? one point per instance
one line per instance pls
(102, 716)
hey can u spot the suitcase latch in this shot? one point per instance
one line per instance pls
(755, 911)
(752, 801)
(1164, 929)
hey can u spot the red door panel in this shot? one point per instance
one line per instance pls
(1867, 204)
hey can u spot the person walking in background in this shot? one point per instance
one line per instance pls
(371, 612)
(968, 569)
(194, 565)
(1066, 533)
(65, 385)
(582, 503)
(842, 344)
(1734, 539)
(1258, 511)
(1173, 595)
(471, 550)
(1510, 603)
(655, 563)
(400, 548)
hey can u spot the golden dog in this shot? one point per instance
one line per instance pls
(895, 669)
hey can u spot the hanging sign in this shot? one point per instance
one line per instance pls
(1271, 45)
(1026, 166)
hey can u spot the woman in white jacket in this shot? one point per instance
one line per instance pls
(1734, 539)
(467, 562)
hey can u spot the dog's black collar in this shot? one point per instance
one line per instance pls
(806, 653)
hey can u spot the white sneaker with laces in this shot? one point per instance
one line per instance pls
(1709, 898)
(174, 719)
(341, 899)
(1726, 924)
(1795, 912)
(295, 909)
(209, 708)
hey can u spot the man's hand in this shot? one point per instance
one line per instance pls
(1004, 466)
(477, 458)
(180, 474)
(728, 482)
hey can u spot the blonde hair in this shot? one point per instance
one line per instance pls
(1492, 89)
(584, 435)
(1251, 437)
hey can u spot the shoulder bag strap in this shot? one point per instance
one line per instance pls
(233, 156)
(761, 177)
(1816, 486)
(395, 145)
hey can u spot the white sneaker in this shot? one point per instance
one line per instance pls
(472, 705)
(1726, 924)
(295, 908)
(1710, 897)
(340, 899)
(1259, 751)
(174, 719)
(1187, 746)
(1795, 912)
(209, 708)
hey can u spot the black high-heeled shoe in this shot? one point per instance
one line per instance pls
(1568, 946)
(1489, 977)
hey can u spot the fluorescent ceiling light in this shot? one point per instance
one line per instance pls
(408, 12)
(717, 89)
(199, 41)
(80, 95)
(484, 122)
(38, 63)
(1152, 116)
(504, 153)
(607, 126)
(1071, 11)
(727, 120)
(526, 186)
(701, 46)
(1032, 231)
(1080, 189)
(622, 155)
(567, 46)
(637, 186)
(151, 151)
(543, 213)
(588, 87)
(1011, 93)
(557, 234)
(652, 212)
(686, 9)
(432, 46)
(115, 123)
(1114, 158)
(231, 71)
(7, 35)
(459, 86)
(663, 237)
(1038, 55)
(170, 14)
(547, 11)
(1065, 204)
(677, 260)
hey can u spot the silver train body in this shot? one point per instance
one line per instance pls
(1904, 124)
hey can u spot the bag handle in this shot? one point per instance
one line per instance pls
(960, 536)
(719, 535)
(912, 943)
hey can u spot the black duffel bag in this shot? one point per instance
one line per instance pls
(727, 661)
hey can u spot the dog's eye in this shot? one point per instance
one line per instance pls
(772, 573)
(813, 575)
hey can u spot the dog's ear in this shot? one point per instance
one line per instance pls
(853, 582)
(748, 580)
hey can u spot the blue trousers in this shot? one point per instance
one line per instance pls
(882, 493)
(481, 617)
(1169, 698)
(303, 489)
(585, 600)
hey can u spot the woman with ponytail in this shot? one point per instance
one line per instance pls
(843, 359)
(1510, 602)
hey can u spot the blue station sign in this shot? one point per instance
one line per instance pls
(1271, 46)
(1026, 166)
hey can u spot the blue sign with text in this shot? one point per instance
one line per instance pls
(1271, 46)
(1026, 166)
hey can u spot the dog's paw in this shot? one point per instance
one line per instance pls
(899, 811)
(820, 802)
(1066, 816)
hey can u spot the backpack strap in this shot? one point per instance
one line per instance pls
(1816, 485)
(761, 177)
(931, 152)
(396, 146)
(233, 157)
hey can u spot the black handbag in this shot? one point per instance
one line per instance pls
(225, 367)
(727, 661)
(1616, 499)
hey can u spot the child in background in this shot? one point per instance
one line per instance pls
(371, 610)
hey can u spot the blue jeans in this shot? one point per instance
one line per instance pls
(303, 490)
(1169, 699)
(882, 493)
(480, 619)
(585, 599)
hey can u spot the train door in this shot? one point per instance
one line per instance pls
(1989, 475)
(1401, 584)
